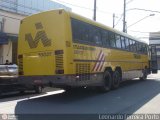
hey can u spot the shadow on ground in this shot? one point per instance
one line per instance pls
(131, 96)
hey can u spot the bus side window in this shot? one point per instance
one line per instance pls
(80, 31)
(134, 46)
(105, 38)
(95, 36)
(84, 32)
(131, 45)
(127, 44)
(138, 47)
(146, 49)
(75, 30)
(123, 42)
(143, 49)
(118, 41)
(111, 38)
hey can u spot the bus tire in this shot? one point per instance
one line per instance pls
(144, 77)
(38, 89)
(107, 82)
(116, 79)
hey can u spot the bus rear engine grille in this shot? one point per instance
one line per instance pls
(59, 62)
(83, 71)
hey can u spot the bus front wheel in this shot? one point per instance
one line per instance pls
(107, 81)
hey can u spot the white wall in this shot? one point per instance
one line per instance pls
(11, 21)
(7, 52)
(11, 25)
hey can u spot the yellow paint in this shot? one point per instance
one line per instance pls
(57, 26)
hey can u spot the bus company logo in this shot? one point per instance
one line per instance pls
(99, 62)
(40, 36)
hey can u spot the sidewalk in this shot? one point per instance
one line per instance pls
(153, 106)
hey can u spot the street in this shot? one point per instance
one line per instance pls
(133, 96)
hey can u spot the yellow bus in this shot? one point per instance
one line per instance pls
(62, 49)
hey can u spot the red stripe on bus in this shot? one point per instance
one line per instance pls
(99, 64)
(97, 59)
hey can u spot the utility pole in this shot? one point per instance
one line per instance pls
(94, 14)
(124, 17)
(113, 20)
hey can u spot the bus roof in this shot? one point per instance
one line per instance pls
(87, 20)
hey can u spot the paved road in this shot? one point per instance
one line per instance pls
(132, 97)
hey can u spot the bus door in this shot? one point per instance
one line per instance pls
(153, 62)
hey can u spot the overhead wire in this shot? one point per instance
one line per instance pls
(129, 1)
(60, 1)
(119, 20)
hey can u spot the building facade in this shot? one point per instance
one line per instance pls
(28, 7)
(11, 13)
(154, 39)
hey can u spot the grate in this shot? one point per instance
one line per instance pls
(83, 71)
(59, 62)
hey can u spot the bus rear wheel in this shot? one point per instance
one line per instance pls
(116, 79)
(107, 82)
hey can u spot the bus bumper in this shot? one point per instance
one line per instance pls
(62, 81)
